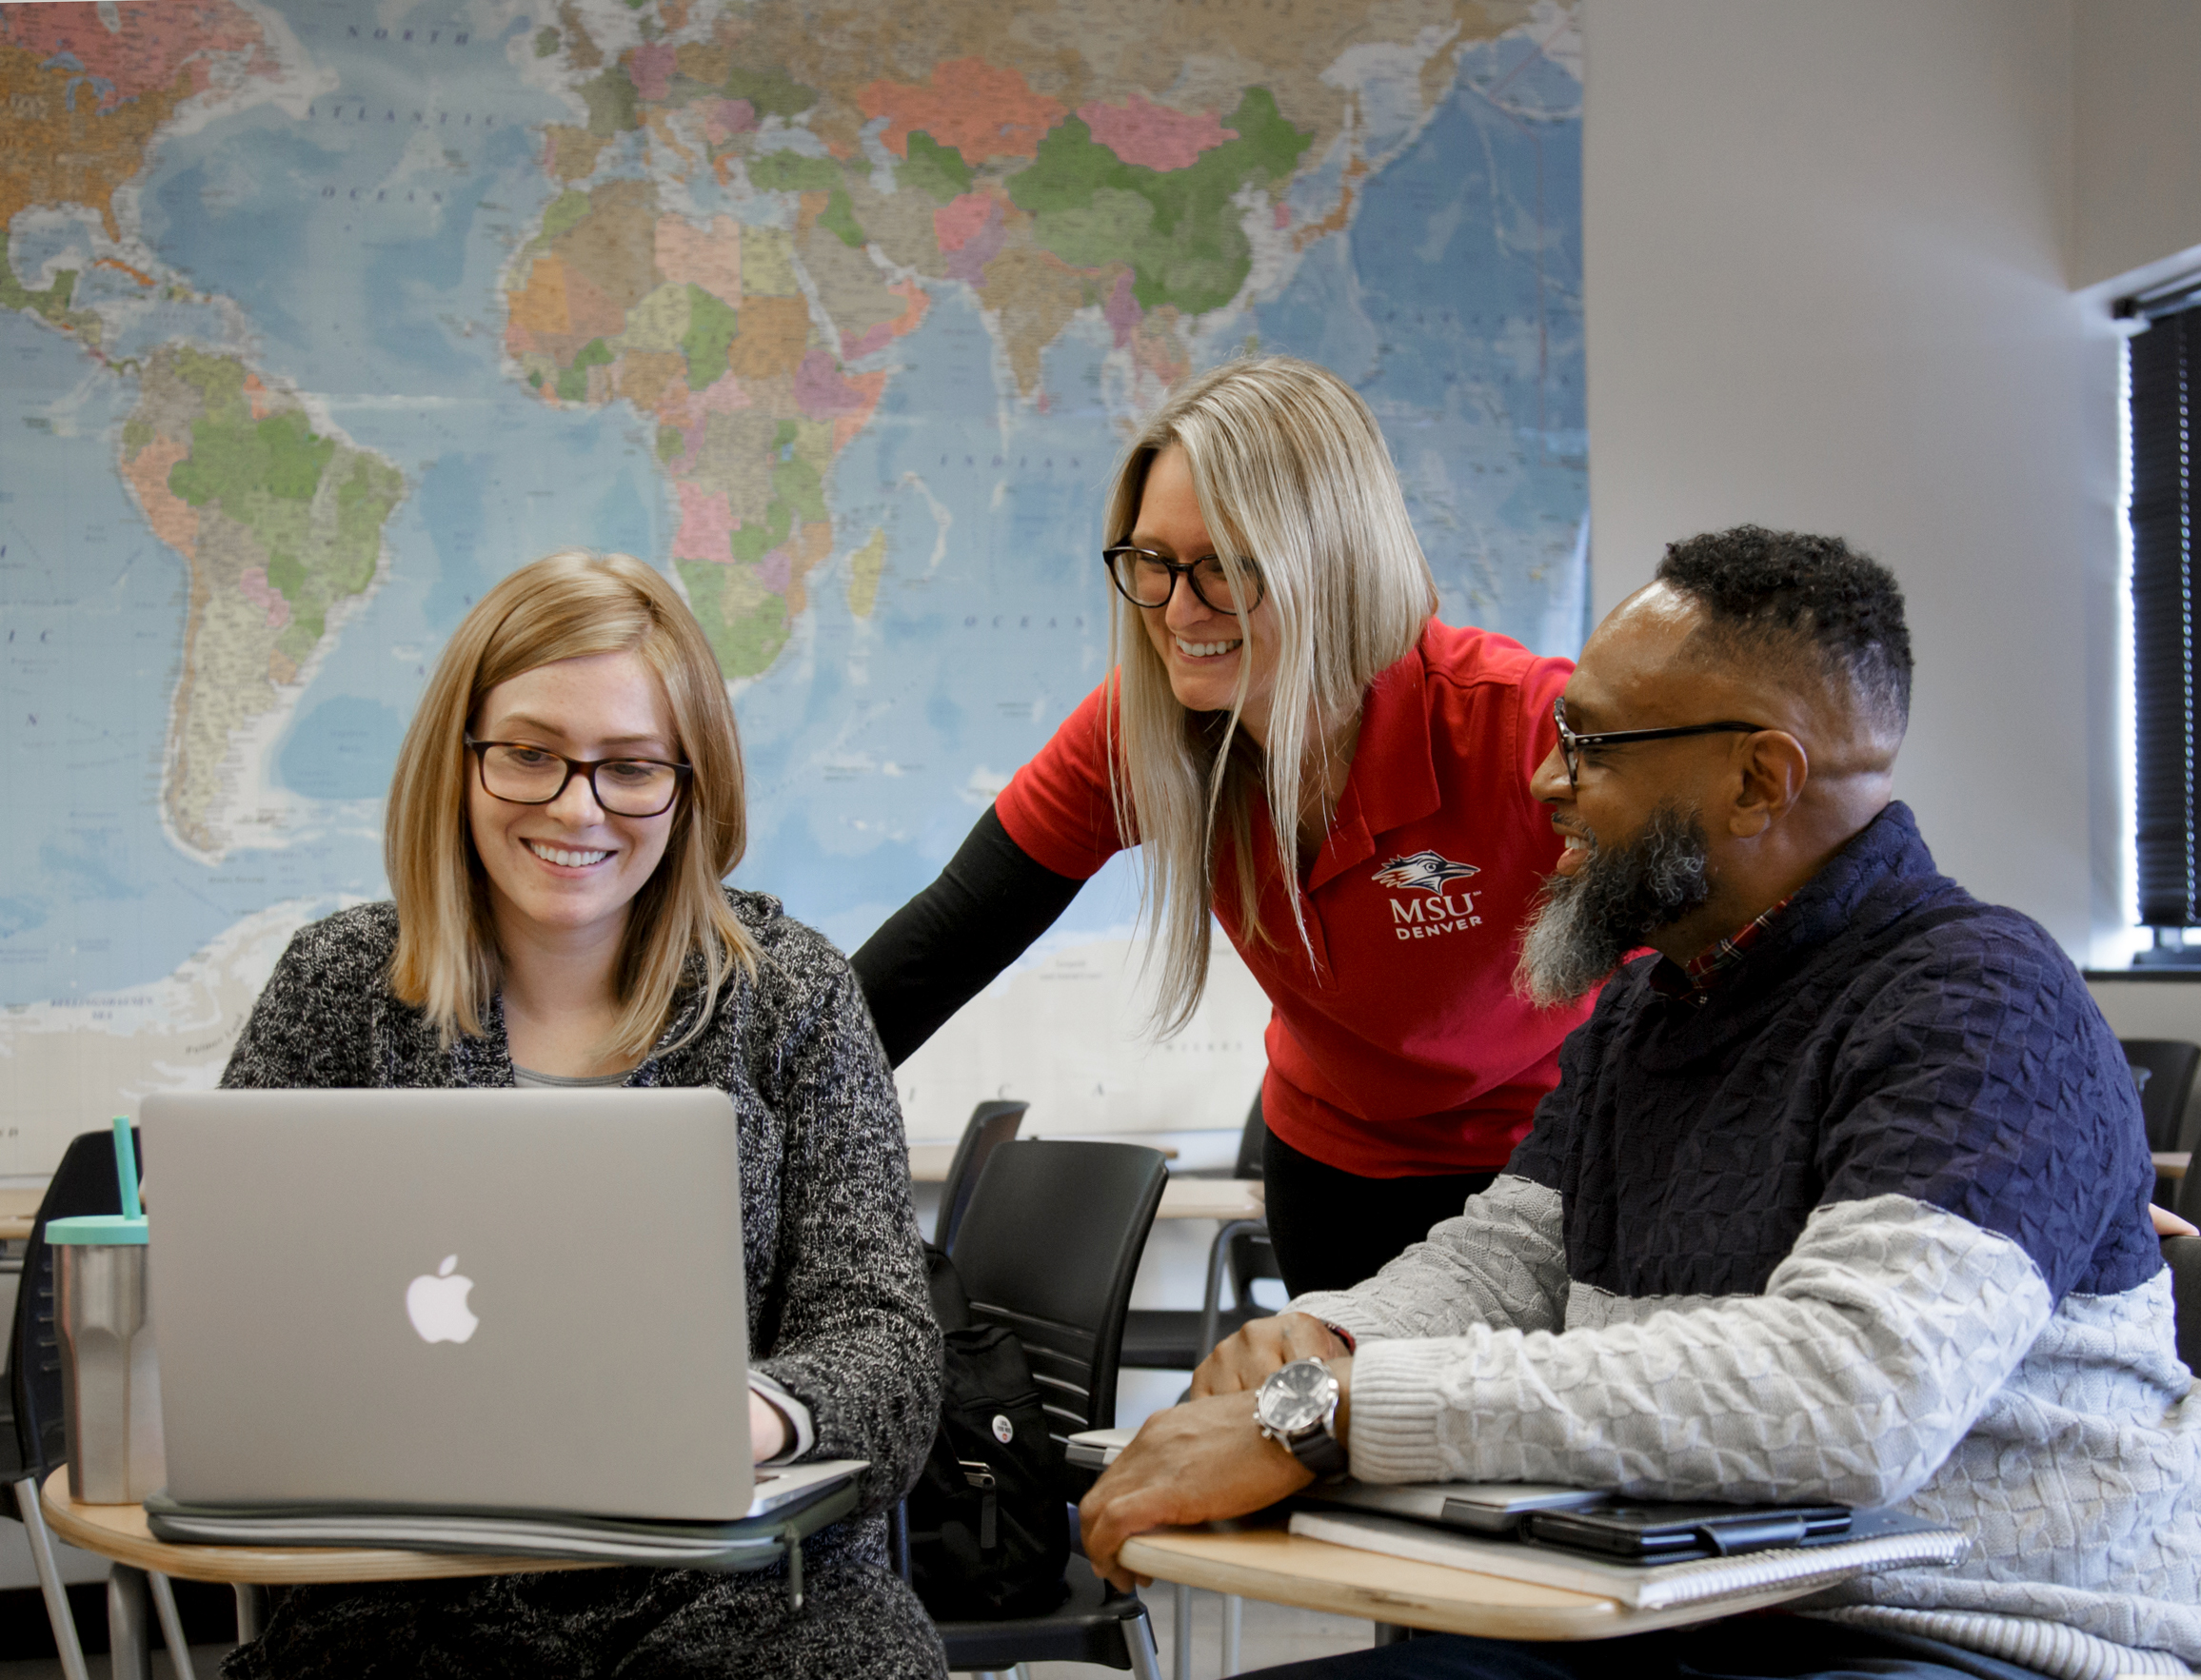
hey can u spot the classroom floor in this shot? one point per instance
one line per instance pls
(1269, 1635)
(1272, 1633)
(205, 1664)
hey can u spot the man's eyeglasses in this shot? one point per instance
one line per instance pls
(1572, 746)
(1147, 578)
(523, 774)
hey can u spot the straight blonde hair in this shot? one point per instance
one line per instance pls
(572, 604)
(1293, 476)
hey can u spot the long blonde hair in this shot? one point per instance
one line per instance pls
(572, 604)
(1292, 476)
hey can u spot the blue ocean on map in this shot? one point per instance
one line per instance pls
(361, 254)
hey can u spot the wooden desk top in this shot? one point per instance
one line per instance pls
(1267, 1562)
(1212, 1198)
(18, 1212)
(2173, 1163)
(119, 1531)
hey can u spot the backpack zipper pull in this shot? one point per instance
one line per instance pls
(980, 1474)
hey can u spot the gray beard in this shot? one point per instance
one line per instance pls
(1588, 921)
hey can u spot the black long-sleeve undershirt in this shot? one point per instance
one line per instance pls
(940, 950)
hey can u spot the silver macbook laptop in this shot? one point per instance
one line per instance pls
(488, 1300)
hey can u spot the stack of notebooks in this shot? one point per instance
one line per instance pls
(1656, 1559)
(792, 1502)
(1874, 1540)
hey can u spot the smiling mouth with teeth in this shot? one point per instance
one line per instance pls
(568, 859)
(1204, 650)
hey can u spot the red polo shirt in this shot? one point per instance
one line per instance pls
(1400, 1048)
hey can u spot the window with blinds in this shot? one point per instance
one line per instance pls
(2166, 397)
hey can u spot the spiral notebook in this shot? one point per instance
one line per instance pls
(1882, 1540)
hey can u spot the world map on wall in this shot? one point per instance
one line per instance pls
(317, 317)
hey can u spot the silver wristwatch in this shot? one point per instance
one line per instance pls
(1295, 1408)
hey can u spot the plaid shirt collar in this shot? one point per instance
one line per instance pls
(1697, 979)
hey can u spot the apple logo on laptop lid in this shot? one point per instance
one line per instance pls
(437, 1304)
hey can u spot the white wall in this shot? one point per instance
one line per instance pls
(2139, 82)
(1826, 289)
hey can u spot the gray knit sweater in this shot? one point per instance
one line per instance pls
(838, 1316)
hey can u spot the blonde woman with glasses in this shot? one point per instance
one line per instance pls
(1277, 651)
(566, 805)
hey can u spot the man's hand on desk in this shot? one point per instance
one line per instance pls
(1203, 1459)
(1242, 1361)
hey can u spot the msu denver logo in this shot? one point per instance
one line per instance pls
(1443, 911)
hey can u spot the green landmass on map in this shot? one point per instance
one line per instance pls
(745, 623)
(1177, 227)
(937, 170)
(52, 304)
(269, 476)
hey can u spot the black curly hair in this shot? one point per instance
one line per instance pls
(1767, 592)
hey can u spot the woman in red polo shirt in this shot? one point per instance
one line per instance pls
(1276, 651)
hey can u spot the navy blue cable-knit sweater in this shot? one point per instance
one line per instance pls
(1867, 1224)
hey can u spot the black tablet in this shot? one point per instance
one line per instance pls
(1674, 1533)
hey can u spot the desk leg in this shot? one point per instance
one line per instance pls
(251, 1611)
(42, 1559)
(1234, 1611)
(128, 1625)
(1180, 1634)
(171, 1625)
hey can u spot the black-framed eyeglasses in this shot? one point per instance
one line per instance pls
(521, 772)
(1572, 745)
(1146, 579)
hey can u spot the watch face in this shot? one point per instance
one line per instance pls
(1297, 1397)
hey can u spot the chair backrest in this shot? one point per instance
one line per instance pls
(1048, 1247)
(1253, 1143)
(2164, 1069)
(2183, 1254)
(83, 1183)
(991, 1125)
(2187, 1203)
(1252, 1255)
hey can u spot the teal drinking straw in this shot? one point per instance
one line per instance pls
(126, 1168)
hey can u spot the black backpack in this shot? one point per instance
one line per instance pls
(989, 1534)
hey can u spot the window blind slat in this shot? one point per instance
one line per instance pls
(2165, 604)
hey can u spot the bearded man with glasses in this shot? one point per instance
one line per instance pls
(1841, 1198)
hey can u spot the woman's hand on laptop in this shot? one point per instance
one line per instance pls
(1243, 1360)
(767, 1429)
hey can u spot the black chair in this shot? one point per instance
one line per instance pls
(991, 1125)
(2164, 1069)
(2186, 1203)
(83, 1183)
(1170, 1339)
(1048, 1246)
(2183, 1254)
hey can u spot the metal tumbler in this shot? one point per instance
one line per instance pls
(111, 1387)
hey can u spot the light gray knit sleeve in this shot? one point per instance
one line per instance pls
(1875, 1344)
(1503, 1263)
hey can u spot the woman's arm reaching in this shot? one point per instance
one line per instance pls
(939, 951)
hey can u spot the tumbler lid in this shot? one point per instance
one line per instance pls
(92, 1228)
